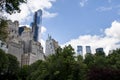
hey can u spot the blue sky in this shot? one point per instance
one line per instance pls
(95, 23)
(74, 20)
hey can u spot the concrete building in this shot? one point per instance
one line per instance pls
(88, 49)
(51, 46)
(79, 50)
(23, 42)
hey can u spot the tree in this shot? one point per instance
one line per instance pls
(13, 67)
(9, 66)
(3, 30)
(3, 64)
(59, 66)
(24, 72)
(103, 74)
(10, 6)
(89, 60)
(114, 59)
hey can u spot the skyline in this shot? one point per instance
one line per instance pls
(79, 22)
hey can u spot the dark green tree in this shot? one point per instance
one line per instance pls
(9, 66)
(24, 72)
(3, 30)
(89, 60)
(60, 66)
(113, 59)
(3, 64)
(13, 67)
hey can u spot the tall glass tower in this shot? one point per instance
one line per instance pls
(99, 50)
(79, 50)
(88, 49)
(36, 26)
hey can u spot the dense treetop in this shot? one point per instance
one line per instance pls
(63, 65)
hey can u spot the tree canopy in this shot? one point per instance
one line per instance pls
(9, 66)
(63, 65)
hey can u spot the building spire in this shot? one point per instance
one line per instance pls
(49, 37)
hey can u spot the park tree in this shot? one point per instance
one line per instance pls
(3, 30)
(3, 64)
(24, 72)
(113, 59)
(105, 67)
(89, 60)
(13, 68)
(60, 66)
(9, 66)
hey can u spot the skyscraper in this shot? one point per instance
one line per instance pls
(99, 50)
(79, 50)
(51, 46)
(36, 25)
(88, 49)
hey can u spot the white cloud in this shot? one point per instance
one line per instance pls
(49, 15)
(114, 30)
(83, 2)
(101, 9)
(43, 30)
(109, 41)
(28, 9)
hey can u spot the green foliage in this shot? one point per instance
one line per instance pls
(9, 66)
(64, 65)
(24, 72)
(89, 60)
(11, 6)
(3, 64)
(3, 30)
(13, 67)
(59, 66)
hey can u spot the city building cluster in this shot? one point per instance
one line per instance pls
(81, 50)
(23, 42)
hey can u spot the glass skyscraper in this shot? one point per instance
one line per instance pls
(88, 49)
(99, 50)
(36, 25)
(79, 50)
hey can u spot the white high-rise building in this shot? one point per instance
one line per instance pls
(51, 46)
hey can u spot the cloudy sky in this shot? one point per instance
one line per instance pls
(77, 22)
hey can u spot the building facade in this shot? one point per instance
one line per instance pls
(51, 46)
